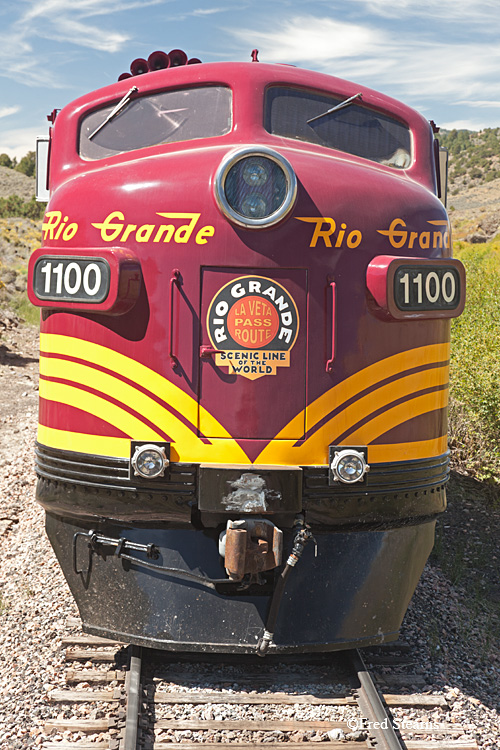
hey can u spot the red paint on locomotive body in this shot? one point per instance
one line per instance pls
(245, 313)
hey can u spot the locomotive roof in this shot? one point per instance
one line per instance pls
(248, 82)
(246, 76)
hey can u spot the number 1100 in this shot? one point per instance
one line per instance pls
(424, 288)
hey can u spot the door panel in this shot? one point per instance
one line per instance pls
(253, 354)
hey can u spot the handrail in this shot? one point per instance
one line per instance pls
(175, 281)
(329, 364)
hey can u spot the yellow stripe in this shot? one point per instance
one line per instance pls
(92, 404)
(96, 445)
(381, 370)
(315, 449)
(188, 447)
(396, 416)
(379, 454)
(120, 447)
(53, 343)
(109, 385)
(385, 395)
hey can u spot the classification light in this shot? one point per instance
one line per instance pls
(349, 466)
(149, 461)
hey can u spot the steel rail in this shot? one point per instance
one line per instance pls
(133, 692)
(380, 722)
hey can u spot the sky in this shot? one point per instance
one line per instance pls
(441, 57)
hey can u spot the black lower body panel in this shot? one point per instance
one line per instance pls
(353, 593)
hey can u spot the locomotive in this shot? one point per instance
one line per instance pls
(246, 287)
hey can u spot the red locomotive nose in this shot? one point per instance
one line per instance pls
(244, 343)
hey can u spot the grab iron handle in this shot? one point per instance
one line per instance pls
(206, 351)
(329, 364)
(174, 282)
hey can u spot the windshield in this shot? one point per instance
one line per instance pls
(355, 129)
(150, 120)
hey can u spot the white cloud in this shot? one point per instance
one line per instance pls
(19, 62)
(206, 11)
(83, 35)
(6, 111)
(313, 39)
(62, 21)
(399, 63)
(479, 12)
(483, 104)
(463, 125)
(17, 142)
(83, 8)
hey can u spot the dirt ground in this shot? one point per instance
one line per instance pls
(18, 397)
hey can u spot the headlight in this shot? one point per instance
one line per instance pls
(255, 187)
(348, 466)
(149, 461)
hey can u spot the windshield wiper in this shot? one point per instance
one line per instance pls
(119, 107)
(337, 106)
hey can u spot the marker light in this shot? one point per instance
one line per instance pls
(149, 461)
(349, 466)
(255, 187)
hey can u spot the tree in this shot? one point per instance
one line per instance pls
(27, 164)
(6, 161)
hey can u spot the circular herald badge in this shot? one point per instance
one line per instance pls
(253, 322)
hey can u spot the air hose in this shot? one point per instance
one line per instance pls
(302, 537)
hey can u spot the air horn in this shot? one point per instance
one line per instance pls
(177, 58)
(139, 67)
(158, 61)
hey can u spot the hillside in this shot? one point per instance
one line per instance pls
(474, 156)
(475, 212)
(474, 183)
(13, 182)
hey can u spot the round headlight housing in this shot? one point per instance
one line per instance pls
(255, 187)
(149, 461)
(349, 466)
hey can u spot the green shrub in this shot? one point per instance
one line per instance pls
(6, 161)
(27, 164)
(33, 209)
(13, 206)
(475, 365)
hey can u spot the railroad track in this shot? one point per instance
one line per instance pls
(127, 698)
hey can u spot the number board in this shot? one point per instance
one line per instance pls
(427, 287)
(415, 288)
(71, 279)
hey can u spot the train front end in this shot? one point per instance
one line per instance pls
(246, 289)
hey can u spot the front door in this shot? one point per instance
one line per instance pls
(253, 353)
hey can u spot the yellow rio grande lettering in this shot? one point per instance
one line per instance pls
(53, 220)
(114, 228)
(399, 236)
(326, 229)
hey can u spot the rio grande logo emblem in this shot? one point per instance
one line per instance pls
(253, 322)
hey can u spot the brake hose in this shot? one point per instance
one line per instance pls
(302, 537)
